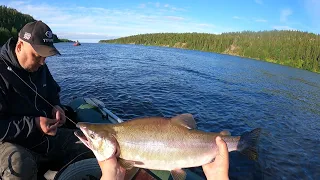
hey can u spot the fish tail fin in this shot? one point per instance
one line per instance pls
(248, 144)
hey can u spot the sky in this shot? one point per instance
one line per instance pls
(93, 20)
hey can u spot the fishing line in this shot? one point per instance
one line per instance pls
(10, 69)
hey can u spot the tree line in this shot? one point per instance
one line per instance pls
(292, 48)
(11, 22)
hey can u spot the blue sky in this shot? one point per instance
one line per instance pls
(92, 20)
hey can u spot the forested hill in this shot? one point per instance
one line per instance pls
(291, 48)
(11, 21)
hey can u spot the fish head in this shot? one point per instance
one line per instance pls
(98, 139)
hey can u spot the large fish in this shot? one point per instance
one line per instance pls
(161, 143)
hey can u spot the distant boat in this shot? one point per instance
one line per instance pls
(77, 43)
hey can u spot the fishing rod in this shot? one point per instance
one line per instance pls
(10, 69)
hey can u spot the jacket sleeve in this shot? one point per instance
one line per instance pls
(13, 128)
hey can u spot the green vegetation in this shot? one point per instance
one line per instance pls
(62, 40)
(291, 48)
(11, 21)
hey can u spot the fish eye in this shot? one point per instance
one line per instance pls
(92, 136)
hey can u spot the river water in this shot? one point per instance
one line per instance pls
(222, 92)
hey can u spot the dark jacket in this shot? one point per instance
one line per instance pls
(19, 105)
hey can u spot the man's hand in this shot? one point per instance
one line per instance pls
(111, 169)
(46, 125)
(220, 167)
(58, 113)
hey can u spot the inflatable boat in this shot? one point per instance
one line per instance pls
(95, 111)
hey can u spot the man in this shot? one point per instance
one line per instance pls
(30, 138)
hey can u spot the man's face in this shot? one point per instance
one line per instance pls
(29, 59)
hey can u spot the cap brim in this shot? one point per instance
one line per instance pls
(45, 51)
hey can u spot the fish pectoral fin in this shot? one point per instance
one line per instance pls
(225, 133)
(185, 120)
(178, 174)
(126, 164)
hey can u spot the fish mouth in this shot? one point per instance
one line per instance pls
(80, 135)
(83, 138)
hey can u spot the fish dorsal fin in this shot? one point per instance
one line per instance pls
(178, 174)
(185, 120)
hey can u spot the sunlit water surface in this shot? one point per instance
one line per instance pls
(222, 92)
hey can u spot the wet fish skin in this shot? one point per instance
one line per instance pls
(162, 143)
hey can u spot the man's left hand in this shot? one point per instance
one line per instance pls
(58, 114)
(111, 169)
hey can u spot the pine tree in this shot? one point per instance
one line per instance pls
(292, 48)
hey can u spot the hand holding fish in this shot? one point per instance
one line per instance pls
(220, 167)
(166, 144)
(111, 169)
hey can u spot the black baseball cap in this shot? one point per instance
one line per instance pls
(40, 36)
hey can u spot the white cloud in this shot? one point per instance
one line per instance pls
(250, 20)
(142, 6)
(236, 17)
(166, 7)
(258, 1)
(285, 13)
(243, 19)
(205, 25)
(18, 3)
(175, 18)
(83, 35)
(76, 22)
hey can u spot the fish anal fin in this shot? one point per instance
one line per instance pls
(185, 120)
(178, 174)
(225, 133)
(126, 164)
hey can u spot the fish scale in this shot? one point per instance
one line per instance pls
(163, 143)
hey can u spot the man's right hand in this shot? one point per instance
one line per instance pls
(47, 126)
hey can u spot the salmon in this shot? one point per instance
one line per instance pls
(162, 143)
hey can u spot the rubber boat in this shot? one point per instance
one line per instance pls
(95, 111)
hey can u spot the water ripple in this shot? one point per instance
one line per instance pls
(222, 92)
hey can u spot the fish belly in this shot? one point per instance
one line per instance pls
(158, 144)
(165, 156)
